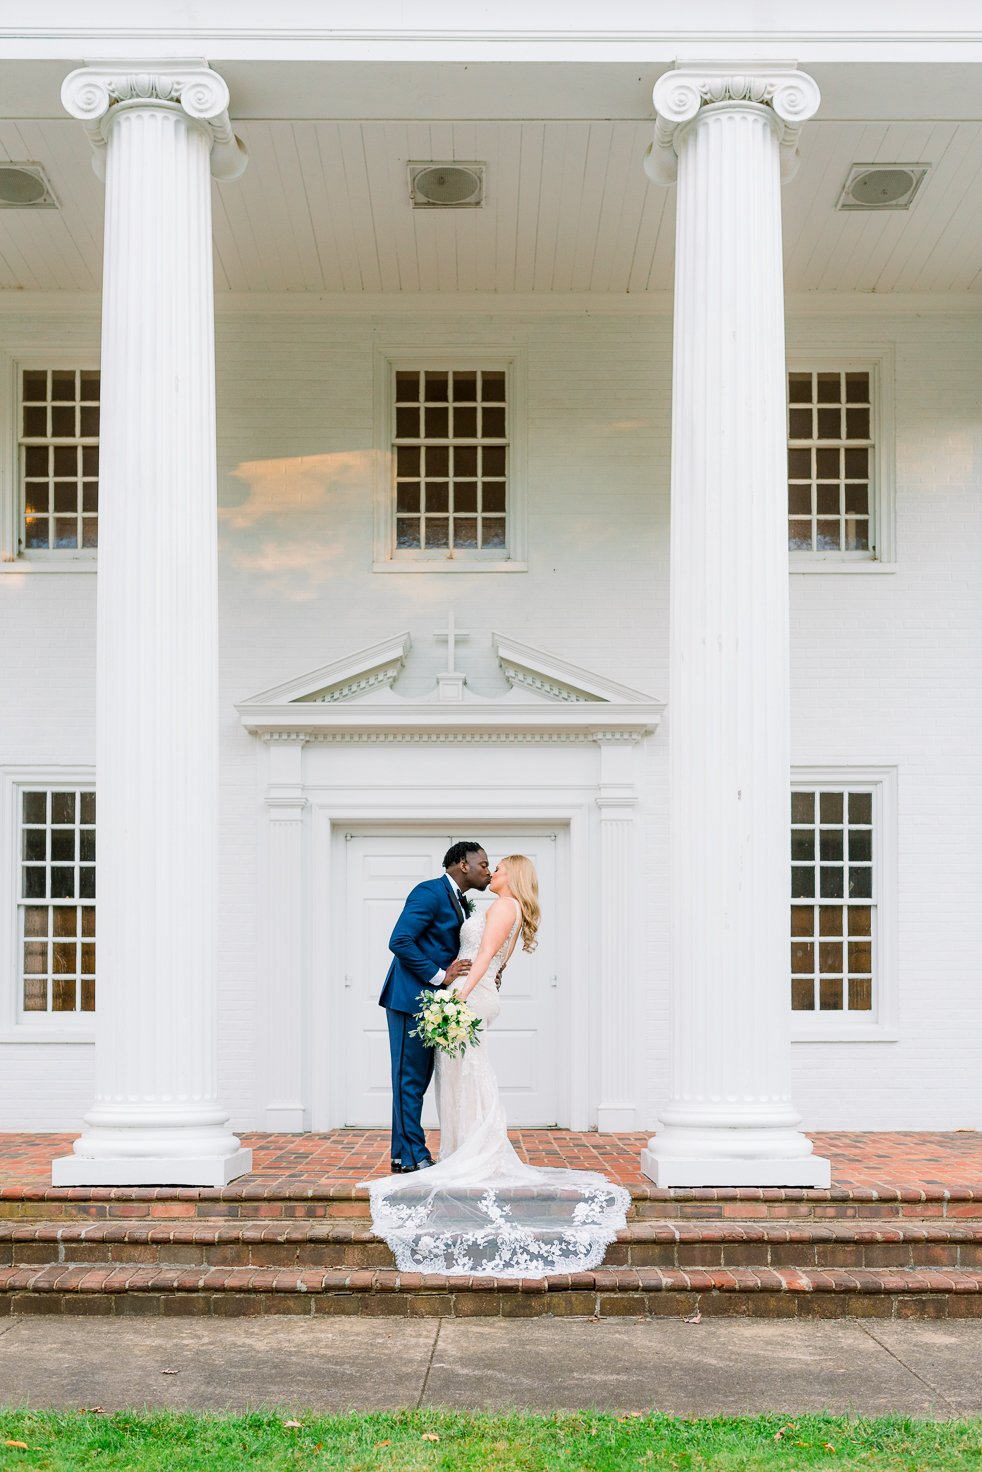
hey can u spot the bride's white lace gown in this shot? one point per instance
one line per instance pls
(480, 1210)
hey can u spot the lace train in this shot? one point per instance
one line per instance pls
(562, 1221)
(481, 1210)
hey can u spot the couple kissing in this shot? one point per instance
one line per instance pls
(480, 1209)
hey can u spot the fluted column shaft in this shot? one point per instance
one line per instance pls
(730, 1120)
(156, 1118)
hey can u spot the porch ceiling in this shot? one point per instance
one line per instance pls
(324, 205)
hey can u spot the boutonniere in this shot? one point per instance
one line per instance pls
(466, 906)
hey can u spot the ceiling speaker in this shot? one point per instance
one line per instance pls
(448, 186)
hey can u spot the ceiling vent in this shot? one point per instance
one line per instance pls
(881, 186)
(450, 186)
(25, 187)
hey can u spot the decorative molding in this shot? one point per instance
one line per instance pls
(379, 679)
(792, 98)
(524, 680)
(481, 737)
(366, 669)
(94, 95)
(535, 670)
(352, 700)
(285, 807)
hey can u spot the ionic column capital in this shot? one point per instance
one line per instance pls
(791, 97)
(95, 95)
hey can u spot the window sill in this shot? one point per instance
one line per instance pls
(854, 569)
(870, 1032)
(71, 564)
(47, 1035)
(449, 564)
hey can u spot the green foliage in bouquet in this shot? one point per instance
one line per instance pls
(445, 1022)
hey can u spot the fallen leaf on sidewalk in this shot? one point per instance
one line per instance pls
(170, 1372)
(695, 1318)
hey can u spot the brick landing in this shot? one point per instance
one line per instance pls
(879, 1162)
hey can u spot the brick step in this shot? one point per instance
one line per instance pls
(347, 1202)
(340, 1243)
(608, 1292)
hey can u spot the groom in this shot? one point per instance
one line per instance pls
(424, 946)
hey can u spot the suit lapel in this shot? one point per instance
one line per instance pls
(452, 894)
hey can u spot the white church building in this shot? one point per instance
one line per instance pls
(554, 426)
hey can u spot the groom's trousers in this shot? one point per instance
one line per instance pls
(412, 1069)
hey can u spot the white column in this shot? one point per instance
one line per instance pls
(618, 915)
(730, 1120)
(284, 1031)
(157, 1119)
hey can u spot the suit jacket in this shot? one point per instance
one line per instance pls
(425, 940)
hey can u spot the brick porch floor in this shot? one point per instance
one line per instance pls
(342, 1157)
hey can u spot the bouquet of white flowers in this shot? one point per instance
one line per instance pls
(445, 1022)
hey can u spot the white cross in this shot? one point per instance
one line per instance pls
(451, 633)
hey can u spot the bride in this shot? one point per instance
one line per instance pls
(480, 1209)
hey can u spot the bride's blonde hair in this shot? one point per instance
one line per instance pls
(524, 885)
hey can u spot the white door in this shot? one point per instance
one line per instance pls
(525, 1042)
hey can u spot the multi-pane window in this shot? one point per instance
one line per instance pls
(833, 901)
(57, 900)
(830, 454)
(59, 458)
(450, 451)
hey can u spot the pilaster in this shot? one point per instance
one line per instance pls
(284, 1031)
(157, 1119)
(616, 803)
(730, 1120)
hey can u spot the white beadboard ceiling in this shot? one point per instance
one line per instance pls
(323, 207)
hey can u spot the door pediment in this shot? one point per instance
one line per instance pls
(546, 698)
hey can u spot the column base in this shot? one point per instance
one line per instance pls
(202, 1170)
(811, 1172)
(286, 1119)
(616, 1119)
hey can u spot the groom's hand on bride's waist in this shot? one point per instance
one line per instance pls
(455, 970)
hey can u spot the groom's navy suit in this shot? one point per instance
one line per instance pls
(424, 942)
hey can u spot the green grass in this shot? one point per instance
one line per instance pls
(172, 1442)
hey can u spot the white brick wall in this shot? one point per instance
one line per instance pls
(885, 668)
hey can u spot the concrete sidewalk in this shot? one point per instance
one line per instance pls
(718, 1367)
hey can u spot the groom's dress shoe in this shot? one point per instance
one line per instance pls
(423, 1164)
(395, 1167)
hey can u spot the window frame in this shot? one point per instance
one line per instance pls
(14, 556)
(508, 359)
(882, 1026)
(44, 1027)
(878, 362)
